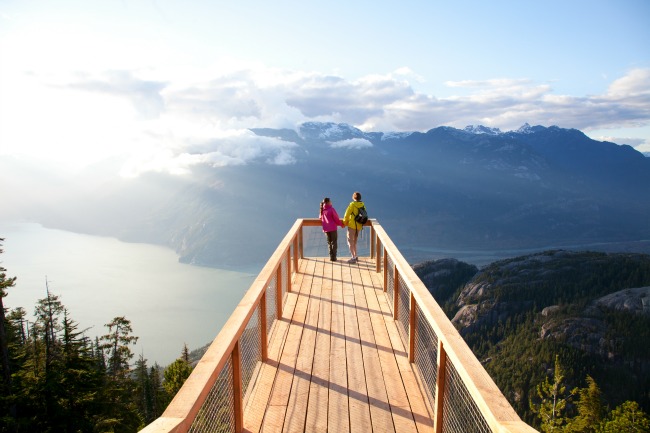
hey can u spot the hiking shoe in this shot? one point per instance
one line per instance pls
(352, 260)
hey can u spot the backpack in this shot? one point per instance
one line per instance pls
(362, 216)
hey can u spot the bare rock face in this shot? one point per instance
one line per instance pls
(636, 301)
(584, 333)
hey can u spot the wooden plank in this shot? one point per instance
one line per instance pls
(317, 409)
(357, 390)
(298, 400)
(397, 395)
(338, 419)
(380, 413)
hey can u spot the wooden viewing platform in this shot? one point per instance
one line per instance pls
(336, 359)
(320, 346)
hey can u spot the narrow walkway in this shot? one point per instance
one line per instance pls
(336, 360)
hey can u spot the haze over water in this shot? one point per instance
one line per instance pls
(99, 278)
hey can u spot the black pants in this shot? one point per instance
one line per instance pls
(332, 243)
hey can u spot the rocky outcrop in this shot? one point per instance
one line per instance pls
(636, 301)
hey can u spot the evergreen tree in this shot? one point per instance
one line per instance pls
(553, 399)
(177, 372)
(120, 413)
(7, 407)
(590, 409)
(626, 418)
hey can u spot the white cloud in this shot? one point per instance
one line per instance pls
(352, 143)
(172, 120)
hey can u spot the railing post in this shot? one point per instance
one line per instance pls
(378, 258)
(300, 242)
(372, 242)
(295, 254)
(288, 276)
(395, 293)
(412, 327)
(278, 293)
(440, 388)
(238, 393)
(385, 270)
(264, 344)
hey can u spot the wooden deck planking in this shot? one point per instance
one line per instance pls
(378, 398)
(357, 390)
(421, 410)
(317, 409)
(297, 408)
(341, 365)
(338, 419)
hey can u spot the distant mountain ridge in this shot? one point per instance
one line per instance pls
(473, 188)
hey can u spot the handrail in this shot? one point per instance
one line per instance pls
(452, 349)
(445, 366)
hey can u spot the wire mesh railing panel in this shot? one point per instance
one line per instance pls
(314, 242)
(403, 307)
(460, 413)
(250, 345)
(426, 353)
(390, 284)
(270, 308)
(284, 270)
(217, 415)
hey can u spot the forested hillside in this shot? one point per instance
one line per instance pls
(518, 314)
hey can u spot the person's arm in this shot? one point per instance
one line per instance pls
(346, 217)
(337, 219)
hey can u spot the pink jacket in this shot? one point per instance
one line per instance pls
(330, 218)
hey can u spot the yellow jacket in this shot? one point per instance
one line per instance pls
(351, 212)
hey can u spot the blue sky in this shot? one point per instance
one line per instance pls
(147, 80)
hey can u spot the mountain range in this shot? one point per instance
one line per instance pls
(475, 188)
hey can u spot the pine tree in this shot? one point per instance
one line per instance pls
(590, 409)
(177, 372)
(553, 399)
(626, 418)
(120, 409)
(6, 385)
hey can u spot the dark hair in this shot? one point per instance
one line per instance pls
(325, 200)
(356, 196)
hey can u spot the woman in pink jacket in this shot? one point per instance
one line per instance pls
(331, 223)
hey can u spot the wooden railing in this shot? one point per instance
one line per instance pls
(463, 396)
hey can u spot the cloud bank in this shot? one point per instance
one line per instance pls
(203, 117)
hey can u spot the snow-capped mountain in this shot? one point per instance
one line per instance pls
(474, 188)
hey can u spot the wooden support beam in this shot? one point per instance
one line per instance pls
(378, 257)
(440, 388)
(395, 293)
(412, 327)
(385, 270)
(295, 254)
(264, 343)
(288, 276)
(238, 393)
(278, 293)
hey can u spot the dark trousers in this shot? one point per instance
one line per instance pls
(332, 243)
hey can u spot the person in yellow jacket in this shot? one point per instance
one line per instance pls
(353, 227)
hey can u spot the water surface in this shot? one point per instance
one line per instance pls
(99, 278)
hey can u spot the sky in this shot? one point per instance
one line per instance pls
(154, 83)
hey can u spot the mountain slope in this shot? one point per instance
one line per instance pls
(592, 309)
(477, 188)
